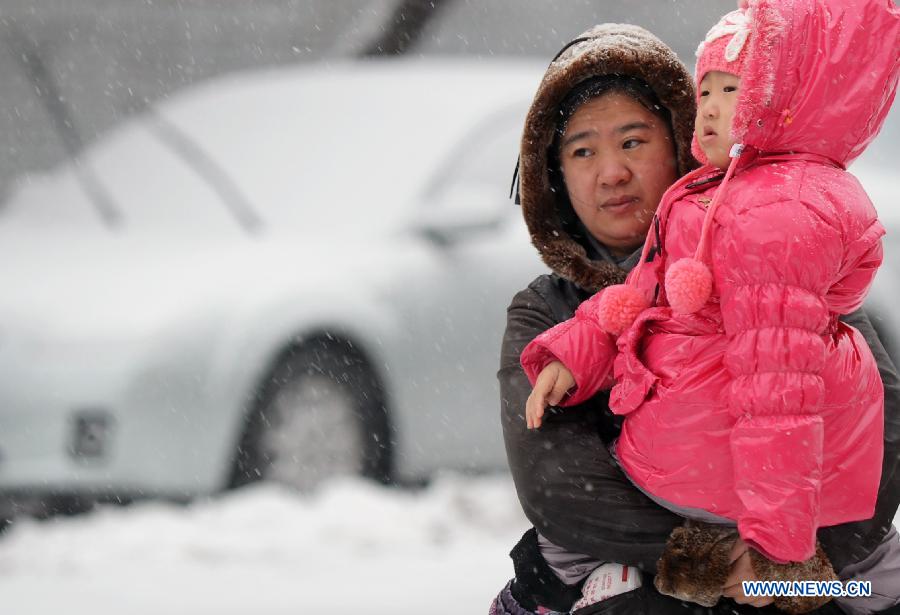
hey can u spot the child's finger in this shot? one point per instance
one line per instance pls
(557, 393)
(535, 401)
(534, 416)
(529, 411)
(534, 409)
(542, 386)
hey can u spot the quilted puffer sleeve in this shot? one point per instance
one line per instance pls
(582, 346)
(861, 263)
(774, 267)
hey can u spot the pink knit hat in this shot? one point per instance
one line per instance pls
(724, 48)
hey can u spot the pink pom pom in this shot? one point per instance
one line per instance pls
(688, 285)
(743, 4)
(619, 306)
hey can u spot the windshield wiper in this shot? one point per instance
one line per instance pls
(27, 54)
(203, 165)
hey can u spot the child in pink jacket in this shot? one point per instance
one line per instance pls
(746, 400)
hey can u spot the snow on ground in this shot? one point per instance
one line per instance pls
(353, 547)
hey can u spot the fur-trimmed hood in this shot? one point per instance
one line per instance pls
(604, 49)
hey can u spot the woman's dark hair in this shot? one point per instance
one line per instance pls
(587, 90)
(596, 87)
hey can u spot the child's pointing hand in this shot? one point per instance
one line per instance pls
(549, 389)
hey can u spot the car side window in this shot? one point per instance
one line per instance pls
(484, 161)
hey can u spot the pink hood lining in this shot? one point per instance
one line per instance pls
(768, 27)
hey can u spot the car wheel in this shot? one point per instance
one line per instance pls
(320, 414)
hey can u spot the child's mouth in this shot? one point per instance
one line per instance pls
(708, 135)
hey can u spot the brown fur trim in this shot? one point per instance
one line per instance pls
(816, 568)
(607, 49)
(694, 565)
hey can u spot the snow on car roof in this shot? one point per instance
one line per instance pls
(313, 137)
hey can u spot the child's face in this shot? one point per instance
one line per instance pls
(715, 110)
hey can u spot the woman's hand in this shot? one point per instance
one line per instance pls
(550, 387)
(742, 570)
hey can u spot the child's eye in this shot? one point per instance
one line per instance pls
(730, 88)
(704, 93)
(631, 143)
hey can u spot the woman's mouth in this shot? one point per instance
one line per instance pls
(618, 204)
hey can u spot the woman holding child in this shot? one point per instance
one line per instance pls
(609, 131)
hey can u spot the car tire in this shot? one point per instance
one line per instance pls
(320, 413)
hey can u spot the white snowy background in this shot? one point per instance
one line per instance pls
(351, 547)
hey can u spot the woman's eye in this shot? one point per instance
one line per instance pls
(581, 152)
(631, 144)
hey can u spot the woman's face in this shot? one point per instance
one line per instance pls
(617, 160)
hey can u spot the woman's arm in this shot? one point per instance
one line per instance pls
(568, 485)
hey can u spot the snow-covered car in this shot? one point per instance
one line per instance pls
(285, 275)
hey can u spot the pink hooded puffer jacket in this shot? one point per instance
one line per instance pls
(762, 407)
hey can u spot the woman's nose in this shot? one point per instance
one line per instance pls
(612, 172)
